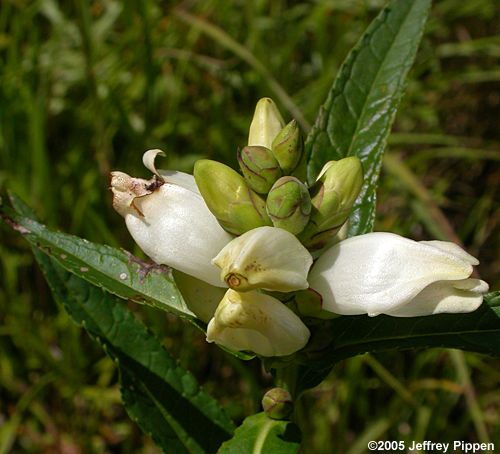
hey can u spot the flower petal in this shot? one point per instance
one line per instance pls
(171, 224)
(180, 179)
(257, 322)
(266, 257)
(169, 176)
(200, 297)
(453, 249)
(378, 272)
(445, 297)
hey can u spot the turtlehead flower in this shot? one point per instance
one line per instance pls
(384, 273)
(269, 258)
(201, 298)
(257, 322)
(169, 220)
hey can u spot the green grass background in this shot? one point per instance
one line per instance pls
(88, 86)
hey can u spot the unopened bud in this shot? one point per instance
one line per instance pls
(309, 303)
(287, 147)
(266, 124)
(259, 167)
(289, 204)
(333, 196)
(277, 403)
(227, 195)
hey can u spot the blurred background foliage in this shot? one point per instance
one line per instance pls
(87, 86)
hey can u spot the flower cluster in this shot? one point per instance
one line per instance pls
(242, 245)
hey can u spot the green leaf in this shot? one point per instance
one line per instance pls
(101, 265)
(260, 434)
(358, 113)
(477, 331)
(164, 399)
(116, 271)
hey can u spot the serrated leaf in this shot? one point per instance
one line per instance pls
(477, 331)
(260, 434)
(145, 283)
(359, 111)
(164, 399)
(116, 271)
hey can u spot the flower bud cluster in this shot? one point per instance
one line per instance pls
(241, 244)
(269, 193)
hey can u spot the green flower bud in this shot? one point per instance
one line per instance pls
(287, 147)
(277, 403)
(227, 195)
(259, 167)
(309, 303)
(289, 204)
(266, 124)
(333, 196)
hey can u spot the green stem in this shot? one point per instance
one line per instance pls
(286, 378)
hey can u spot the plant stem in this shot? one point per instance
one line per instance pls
(286, 378)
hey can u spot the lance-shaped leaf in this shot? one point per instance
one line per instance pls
(164, 399)
(347, 336)
(260, 434)
(357, 116)
(115, 270)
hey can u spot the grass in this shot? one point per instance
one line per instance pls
(86, 87)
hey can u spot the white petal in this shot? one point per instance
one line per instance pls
(169, 176)
(472, 285)
(257, 322)
(379, 272)
(177, 229)
(180, 179)
(454, 249)
(445, 297)
(266, 257)
(148, 159)
(200, 297)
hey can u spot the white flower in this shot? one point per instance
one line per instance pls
(269, 258)
(169, 220)
(383, 273)
(201, 298)
(257, 322)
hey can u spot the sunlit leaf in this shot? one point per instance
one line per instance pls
(360, 109)
(348, 336)
(260, 434)
(163, 398)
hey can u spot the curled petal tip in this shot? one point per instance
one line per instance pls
(148, 159)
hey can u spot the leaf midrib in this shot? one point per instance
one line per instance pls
(375, 79)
